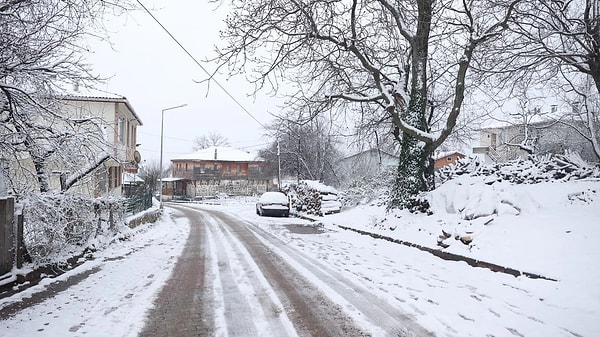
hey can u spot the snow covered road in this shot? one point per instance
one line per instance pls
(261, 287)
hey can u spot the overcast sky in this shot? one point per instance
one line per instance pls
(154, 73)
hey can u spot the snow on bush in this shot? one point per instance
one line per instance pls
(313, 197)
(366, 190)
(472, 198)
(534, 169)
(58, 226)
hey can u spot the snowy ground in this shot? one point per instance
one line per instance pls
(551, 229)
(555, 234)
(112, 299)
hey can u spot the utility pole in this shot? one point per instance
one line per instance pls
(278, 166)
(162, 122)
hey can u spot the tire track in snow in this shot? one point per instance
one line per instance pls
(267, 309)
(237, 312)
(382, 317)
(183, 305)
(311, 312)
(243, 301)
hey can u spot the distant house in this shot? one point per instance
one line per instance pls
(446, 158)
(214, 170)
(366, 164)
(499, 143)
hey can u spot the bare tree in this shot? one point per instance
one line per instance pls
(306, 151)
(584, 114)
(556, 36)
(401, 61)
(559, 42)
(212, 139)
(40, 52)
(151, 174)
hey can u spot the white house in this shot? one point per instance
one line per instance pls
(368, 163)
(118, 123)
(508, 141)
(97, 152)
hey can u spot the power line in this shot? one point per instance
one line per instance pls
(201, 66)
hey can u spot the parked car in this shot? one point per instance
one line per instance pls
(273, 203)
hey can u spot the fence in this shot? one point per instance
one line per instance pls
(11, 234)
(138, 202)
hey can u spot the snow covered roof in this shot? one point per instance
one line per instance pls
(220, 153)
(93, 95)
(319, 186)
(170, 179)
(131, 178)
(532, 120)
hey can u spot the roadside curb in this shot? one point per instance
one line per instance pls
(441, 254)
(452, 257)
(22, 281)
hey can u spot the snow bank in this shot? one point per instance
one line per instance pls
(549, 228)
(473, 197)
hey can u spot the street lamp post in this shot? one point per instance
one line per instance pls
(162, 122)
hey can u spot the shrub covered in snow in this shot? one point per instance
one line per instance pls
(313, 197)
(58, 226)
(534, 169)
(362, 190)
(474, 190)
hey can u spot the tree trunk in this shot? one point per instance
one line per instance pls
(415, 169)
(41, 171)
(414, 172)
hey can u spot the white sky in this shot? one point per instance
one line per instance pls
(153, 72)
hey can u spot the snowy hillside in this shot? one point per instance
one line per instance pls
(551, 229)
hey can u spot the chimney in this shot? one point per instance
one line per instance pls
(215, 153)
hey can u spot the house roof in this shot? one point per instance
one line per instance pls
(535, 120)
(170, 179)
(131, 178)
(439, 155)
(91, 95)
(219, 153)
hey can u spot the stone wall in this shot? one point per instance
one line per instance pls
(210, 188)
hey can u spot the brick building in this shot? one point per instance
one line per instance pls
(215, 170)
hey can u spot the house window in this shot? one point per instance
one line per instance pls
(239, 168)
(121, 130)
(228, 168)
(449, 158)
(114, 177)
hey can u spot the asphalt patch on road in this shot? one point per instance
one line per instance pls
(305, 229)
